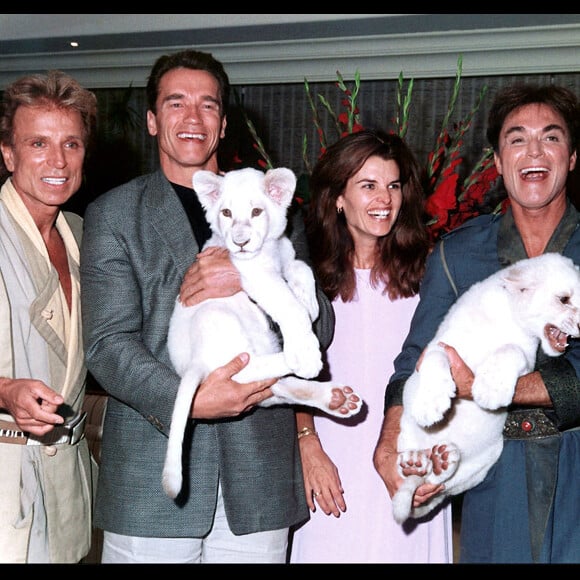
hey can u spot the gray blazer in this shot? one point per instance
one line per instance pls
(137, 246)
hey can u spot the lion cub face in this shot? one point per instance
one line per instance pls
(246, 207)
(546, 293)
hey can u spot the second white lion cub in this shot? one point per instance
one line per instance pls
(496, 327)
(246, 210)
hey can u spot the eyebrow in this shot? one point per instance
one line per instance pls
(174, 97)
(180, 96)
(49, 137)
(546, 129)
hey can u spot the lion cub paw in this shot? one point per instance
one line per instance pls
(414, 462)
(433, 466)
(344, 402)
(303, 357)
(339, 401)
(445, 461)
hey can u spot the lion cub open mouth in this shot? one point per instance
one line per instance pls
(557, 339)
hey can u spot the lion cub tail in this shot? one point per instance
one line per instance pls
(403, 499)
(173, 469)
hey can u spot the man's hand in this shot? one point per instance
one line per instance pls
(220, 396)
(32, 404)
(386, 455)
(212, 275)
(386, 458)
(461, 373)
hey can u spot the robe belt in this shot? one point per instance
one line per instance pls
(69, 433)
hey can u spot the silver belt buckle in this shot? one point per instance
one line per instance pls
(76, 428)
(69, 433)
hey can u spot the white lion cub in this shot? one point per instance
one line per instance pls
(246, 210)
(496, 327)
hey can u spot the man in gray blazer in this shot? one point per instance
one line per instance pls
(243, 483)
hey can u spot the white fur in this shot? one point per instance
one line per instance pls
(246, 210)
(496, 327)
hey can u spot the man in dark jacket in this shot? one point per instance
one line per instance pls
(526, 508)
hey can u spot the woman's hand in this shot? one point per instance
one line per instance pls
(321, 479)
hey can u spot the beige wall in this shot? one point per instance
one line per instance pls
(20, 26)
(270, 49)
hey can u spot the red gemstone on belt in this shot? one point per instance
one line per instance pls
(527, 426)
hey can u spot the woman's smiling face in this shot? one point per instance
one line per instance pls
(372, 199)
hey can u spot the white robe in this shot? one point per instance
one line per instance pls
(40, 339)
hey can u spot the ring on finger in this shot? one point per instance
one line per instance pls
(317, 493)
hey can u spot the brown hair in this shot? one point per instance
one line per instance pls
(560, 99)
(55, 88)
(401, 254)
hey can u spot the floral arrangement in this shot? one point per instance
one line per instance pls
(449, 199)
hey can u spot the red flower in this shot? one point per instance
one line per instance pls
(449, 202)
(477, 191)
(444, 196)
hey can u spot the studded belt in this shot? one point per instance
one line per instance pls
(528, 424)
(70, 433)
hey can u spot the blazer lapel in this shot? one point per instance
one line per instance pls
(168, 218)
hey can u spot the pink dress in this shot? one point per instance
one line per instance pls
(369, 334)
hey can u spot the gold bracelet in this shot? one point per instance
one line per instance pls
(306, 431)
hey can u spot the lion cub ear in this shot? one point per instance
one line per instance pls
(517, 278)
(280, 184)
(207, 185)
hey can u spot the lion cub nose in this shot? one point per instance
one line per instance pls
(241, 244)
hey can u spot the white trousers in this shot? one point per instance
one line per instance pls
(220, 546)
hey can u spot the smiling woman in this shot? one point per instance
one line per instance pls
(368, 243)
